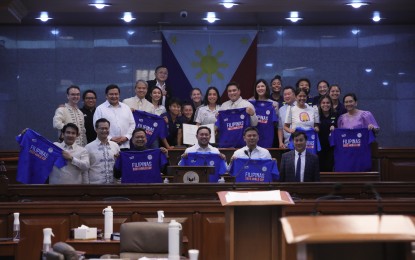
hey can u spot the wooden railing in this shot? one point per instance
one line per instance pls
(393, 164)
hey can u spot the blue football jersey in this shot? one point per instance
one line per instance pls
(267, 118)
(254, 170)
(352, 152)
(154, 125)
(141, 167)
(313, 141)
(231, 124)
(36, 158)
(206, 159)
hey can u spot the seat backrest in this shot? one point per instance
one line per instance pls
(66, 250)
(52, 255)
(139, 239)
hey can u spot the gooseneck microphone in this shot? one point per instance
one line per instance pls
(331, 196)
(372, 188)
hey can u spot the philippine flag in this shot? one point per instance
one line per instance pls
(200, 59)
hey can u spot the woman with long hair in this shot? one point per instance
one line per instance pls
(206, 114)
(328, 122)
(267, 113)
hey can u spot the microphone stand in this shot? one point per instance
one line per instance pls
(331, 196)
(371, 187)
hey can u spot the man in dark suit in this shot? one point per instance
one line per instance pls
(299, 165)
(161, 73)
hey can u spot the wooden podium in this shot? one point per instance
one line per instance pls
(190, 174)
(251, 225)
(354, 237)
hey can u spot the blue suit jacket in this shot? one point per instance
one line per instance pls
(311, 168)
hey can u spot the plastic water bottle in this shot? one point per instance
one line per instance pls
(166, 180)
(160, 216)
(108, 222)
(174, 240)
(47, 241)
(16, 227)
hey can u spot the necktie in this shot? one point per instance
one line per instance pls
(298, 169)
(140, 104)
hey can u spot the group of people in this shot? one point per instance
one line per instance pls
(93, 137)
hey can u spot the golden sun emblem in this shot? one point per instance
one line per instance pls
(209, 64)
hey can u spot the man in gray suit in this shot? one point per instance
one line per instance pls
(299, 165)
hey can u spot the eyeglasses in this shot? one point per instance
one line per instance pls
(90, 98)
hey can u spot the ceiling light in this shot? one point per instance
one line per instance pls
(294, 17)
(357, 4)
(54, 31)
(128, 17)
(99, 5)
(228, 4)
(376, 16)
(44, 17)
(130, 32)
(355, 31)
(211, 17)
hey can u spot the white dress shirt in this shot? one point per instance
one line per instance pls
(302, 163)
(75, 171)
(163, 97)
(121, 120)
(257, 153)
(196, 148)
(159, 110)
(69, 114)
(141, 104)
(102, 160)
(206, 116)
(240, 103)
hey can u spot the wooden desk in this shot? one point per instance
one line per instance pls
(9, 248)
(95, 247)
(338, 237)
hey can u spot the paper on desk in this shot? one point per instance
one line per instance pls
(189, 133)
(273, 195)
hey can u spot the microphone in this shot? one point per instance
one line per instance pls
(371, 187)
(331, 196)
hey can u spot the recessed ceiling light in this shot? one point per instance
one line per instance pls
(229, 4)
(211, 17)
(54, 32)
(44, 17)
(99, 5)
(128, 17)
(376, 16)
(357, 4)
(294, 17)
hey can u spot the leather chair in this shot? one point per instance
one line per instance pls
(139, 239)
(63, 251)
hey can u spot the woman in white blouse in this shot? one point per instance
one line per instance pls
(206, 114)
(156, 98)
